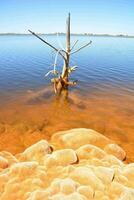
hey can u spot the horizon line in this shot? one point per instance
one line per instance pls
(63, 33)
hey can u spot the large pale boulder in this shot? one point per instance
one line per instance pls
(89, 151)
(74, 196)
(38, 194)
(128, 171)
(23, 169)
(4, 178)
(3, 162)
(86, 191)
(110, 160)
(68, 186)
(121, 192)
(76, 138)
(128, 194)
(65, 186)
(36, 152)
(85, 176)
(105, 174)
(115, 150)
(61, 157)
(9, 157)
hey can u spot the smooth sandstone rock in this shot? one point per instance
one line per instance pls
(9, 157)
(76, 138)
(90, 151)
(104, 173)
(36, 152)
(74, 196)
(115, 150)
(61, 157)
(68, 186)
(85, 176)
(65, 186)
(110, 160)
(4, 178)
(3, 162)
(127, 195)
(128, 171)
(38, 194)
(86, 191)
(23, 169)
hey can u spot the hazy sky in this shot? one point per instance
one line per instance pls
(94, 16)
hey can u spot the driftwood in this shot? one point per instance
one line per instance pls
(61, 80)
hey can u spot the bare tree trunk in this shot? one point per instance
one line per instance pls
(62, 86)
(67, 56)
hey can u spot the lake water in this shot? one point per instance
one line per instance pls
(103, 98)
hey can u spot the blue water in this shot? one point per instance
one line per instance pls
(107, 65)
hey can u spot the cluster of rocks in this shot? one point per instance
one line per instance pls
(79, 164)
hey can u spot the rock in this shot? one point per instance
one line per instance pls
(76, 138)
(67, 186)
(9, 157)
(110, 160)
(128, 171)
(3, 162)
(89, 151)
(116, 189)
(38, 195)
(105, 174)
(61, 157)
(127, 195)
(55, 186)
(23, 169)
(86, 191)
(74, 196)
(98, 195)
(3, 180)
(36, 152)
(121, 179)
(115, 150)
(85, 176)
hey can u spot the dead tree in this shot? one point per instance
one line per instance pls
(61, 80)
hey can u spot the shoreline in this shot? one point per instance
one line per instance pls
(73, 34)
(38, 115)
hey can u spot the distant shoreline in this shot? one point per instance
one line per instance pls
(75, 34)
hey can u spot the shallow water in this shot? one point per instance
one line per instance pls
(102, 100)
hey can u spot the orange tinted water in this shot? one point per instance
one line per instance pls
(39, 114)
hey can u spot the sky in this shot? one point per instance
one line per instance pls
(49, 16)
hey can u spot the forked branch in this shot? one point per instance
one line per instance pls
(50, 45)
(74, 44)
(81, 48)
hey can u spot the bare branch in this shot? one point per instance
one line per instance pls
(55, 72)
(81, 47)
(47, 43)
(71, 69)
(71, 83)
(74, 45)
(55, 86)
(56, 57)
(60, 44)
